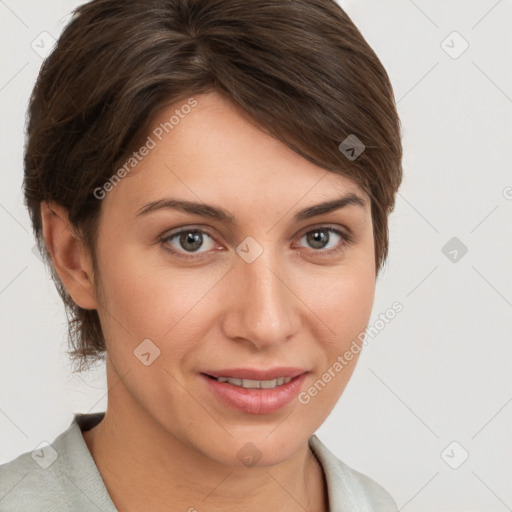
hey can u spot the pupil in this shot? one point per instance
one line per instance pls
(194, 238)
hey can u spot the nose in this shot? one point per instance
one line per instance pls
(262, 308)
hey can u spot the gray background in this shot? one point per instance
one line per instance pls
(440, 371)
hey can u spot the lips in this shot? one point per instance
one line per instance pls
(255, 391)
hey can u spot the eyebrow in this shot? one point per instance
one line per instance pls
(217, 213)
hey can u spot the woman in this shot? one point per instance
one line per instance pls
(210, 183)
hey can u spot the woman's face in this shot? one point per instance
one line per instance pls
(260, 287)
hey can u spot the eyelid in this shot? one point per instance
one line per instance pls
(343, 231)
(180, 229)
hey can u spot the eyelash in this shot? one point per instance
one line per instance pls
(346, 238)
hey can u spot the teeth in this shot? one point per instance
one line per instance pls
(256, 384)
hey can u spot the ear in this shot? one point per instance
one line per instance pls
(70, 258)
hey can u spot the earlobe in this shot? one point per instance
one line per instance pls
(69, 256)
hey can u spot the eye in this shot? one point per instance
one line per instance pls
(188, 241)
(326, 239)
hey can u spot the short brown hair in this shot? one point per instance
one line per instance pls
(299, 68)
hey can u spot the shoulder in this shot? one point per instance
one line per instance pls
(32, 481)
(55, 477)
(349, 489)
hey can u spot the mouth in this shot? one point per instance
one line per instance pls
(255, 391)
(251, 383)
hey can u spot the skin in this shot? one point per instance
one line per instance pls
(166, 442)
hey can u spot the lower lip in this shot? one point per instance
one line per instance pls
(256, 401)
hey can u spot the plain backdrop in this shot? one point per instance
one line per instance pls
(428, 412)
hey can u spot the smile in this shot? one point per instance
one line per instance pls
(255, 384)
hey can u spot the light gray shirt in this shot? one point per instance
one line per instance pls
(62, 476)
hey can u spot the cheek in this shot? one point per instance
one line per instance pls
(153, 297)
(342, 303)
(343, 300)
(150, 296)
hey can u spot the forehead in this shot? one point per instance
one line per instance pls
(212, 151)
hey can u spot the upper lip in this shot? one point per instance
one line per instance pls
(255, 374)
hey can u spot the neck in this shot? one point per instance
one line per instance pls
(144, 467)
